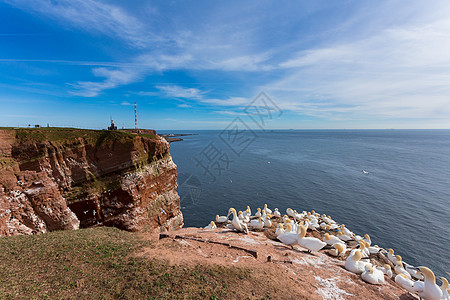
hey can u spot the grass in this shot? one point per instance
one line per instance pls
(32, 142)
(59, 134)
(100, 263)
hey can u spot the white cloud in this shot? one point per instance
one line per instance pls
(154, 45)
(230, 113)
(184, 105)
(400, 72)
(113, 78)
(92, 16)
(199, 96)
(389, 60)
(180, 92)
(231, 101)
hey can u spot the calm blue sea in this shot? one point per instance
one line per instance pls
(403, 201)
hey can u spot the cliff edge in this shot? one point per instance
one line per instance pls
(57, 179)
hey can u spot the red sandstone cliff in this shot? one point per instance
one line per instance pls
(54, 179)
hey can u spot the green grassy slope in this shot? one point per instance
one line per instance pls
(100, 263)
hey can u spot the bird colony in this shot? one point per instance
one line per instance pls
(315, 232)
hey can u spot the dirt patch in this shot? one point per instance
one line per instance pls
(277, 271)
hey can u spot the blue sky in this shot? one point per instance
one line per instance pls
(197, 64)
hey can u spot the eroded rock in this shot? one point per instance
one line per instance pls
(59, 179)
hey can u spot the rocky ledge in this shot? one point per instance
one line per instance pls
(57, 179)
(276, 271)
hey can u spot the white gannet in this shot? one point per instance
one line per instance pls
(323, 225)
(391, 256)
(371, 275)
(367, 239)
(324, 218)
(339, 249)
(405, 282)
(290, 212)
(386, 269)
(276, 213)
(331, 239)
(246, 219)
(343, 236)
(263, 214)
(332, 222)
(347, 232)
(286, 222)
(238, 225)
(258, 212)
(310, 243)
(279, 230)
(247, 212)
(297, 216)
(354, 263)
(243, 217)
(267, 210)
(413, 271)
(211, 225)
(306, 224)
(334, 226)
(373, 249)
(221, 219)
(294, 226)
(363, 249)
(399, 267)
(313, 217)
(288, 237)
(256, 223)
(444, 288)
(430, 290)
(267, 222)
(313, 223)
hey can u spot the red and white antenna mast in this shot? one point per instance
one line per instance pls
(135, 116)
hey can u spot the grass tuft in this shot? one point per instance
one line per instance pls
(100, 263)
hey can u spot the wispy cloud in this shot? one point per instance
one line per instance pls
(180, 92)
(380, 60)
(218, 48)
(230, 113)
(398, 72)
(184, 105)
(199, 96)
(74, 62)
(22, 34)
(92, 16)
(113, 78)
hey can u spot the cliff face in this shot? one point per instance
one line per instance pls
(54, 179)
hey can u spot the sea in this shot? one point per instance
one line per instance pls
(392, 184)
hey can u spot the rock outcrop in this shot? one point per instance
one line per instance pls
(57, 179)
